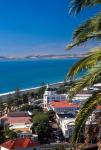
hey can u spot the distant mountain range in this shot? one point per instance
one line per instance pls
(51, 56)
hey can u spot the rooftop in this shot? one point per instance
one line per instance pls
(63, 104)
(19, 143)
(18, 114)
(98, 107)
(15, 120)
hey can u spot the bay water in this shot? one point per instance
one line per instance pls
(24, 73)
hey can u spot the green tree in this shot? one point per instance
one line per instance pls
(51, 115)
(9, 134)
(6, 133)
(89, 30)
(17, 97)
(27, 107)
(2, 137)
(10, 103)
(41, 91)
(25, 97)
(36, 110)
(41, 126)
(62, 89)
(40, 117)
(33, 109)
(2, 106)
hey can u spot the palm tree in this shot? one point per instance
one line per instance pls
(91, 64)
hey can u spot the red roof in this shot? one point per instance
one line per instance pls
(18, 114)
(20, 143)
(63, 104)
(98, 107)
(14, 120)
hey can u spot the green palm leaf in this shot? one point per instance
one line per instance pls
(84, 113)
(93, 75)
(85, 63)
(77, 5)
(91, 29)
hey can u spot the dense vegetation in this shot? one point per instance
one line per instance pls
(41, 126)
(20, 100)
(6, 134)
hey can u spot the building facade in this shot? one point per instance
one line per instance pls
(51, 95)
(66, 124)
(17, 121)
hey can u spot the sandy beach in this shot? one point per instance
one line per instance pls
(28, 90)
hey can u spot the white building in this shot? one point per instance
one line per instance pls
(97, 85)
(51, 95)
(66, 123)
(86, 93)
(81, 98)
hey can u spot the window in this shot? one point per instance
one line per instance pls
(66, 132)
(70, 131)
(63, 97)
(47, 97)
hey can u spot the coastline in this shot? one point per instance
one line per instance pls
(25, 75)
(55, 84)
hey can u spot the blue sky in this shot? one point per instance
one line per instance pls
(38, 27)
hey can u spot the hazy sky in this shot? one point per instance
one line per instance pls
(38, 26)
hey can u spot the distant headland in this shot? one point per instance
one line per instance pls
(46, 56)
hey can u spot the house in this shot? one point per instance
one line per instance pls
(20, 144)
(51, 95)
(17, 121)
(97, 85)
(86, 93)
(81, 98)
(66, 123)
(19, 114)
(62, 106)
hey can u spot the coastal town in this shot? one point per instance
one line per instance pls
(46, 119)
(50, 75)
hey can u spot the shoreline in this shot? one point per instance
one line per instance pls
(55, 84)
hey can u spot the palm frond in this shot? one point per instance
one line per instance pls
(82, 40)
(93, 57)
(93, 25)
(91, 29)
(84, 113)
(78, 5)
(92, 76)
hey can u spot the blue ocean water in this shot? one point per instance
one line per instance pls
(31, 73)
